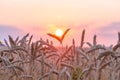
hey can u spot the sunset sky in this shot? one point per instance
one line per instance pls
(39, 17)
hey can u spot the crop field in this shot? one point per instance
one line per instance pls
(23, 59)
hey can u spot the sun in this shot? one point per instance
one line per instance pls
(59, 32)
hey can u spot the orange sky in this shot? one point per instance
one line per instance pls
(42, 16)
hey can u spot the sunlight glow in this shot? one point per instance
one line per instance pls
(59, 32)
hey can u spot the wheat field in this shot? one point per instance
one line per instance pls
(23, 59)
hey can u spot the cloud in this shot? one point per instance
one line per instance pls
(9, 30)
(110, 29)
(112, 26)
(108, 33)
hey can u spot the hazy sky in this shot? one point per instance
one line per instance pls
(38, 17)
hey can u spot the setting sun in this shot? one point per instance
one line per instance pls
(59, 32)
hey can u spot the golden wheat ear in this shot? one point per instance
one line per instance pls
(82, 38)
(64, 34)
(12, 42)
(54, 36)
